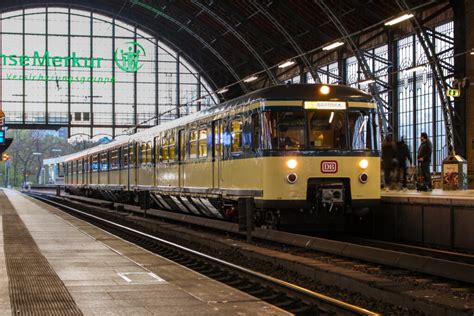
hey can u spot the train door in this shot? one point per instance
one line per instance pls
(124, 167)
(119, 165)
(86, 170)
(131, 165)
(136, 150)
(181, 157)
(217, 134)
(157, 161)
(106, 167)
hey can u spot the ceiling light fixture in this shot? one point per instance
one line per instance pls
(286, 64)
(250, 79)
(414, 69)
(221, 91)
(399, 19)
(333, 45)
(365, 82)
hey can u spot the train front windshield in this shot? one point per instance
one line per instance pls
(353, 129)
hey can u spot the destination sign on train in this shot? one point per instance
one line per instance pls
(324, 105)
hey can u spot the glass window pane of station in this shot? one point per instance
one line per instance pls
(35, 21)
(66, 32)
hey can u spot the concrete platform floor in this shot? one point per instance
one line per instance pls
(468, 194)
(107, 275)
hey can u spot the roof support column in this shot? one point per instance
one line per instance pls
(427, 44)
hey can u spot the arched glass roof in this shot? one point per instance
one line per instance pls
(91, 73)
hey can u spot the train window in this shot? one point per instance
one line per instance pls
(86, 164)
(172, 149)
(114, 159)
(236, 133)
(362, 129)
(132, 155)
(182, 145)
(218, 131)
(284, 130)
(104, 161)
(164, 149)
(149, 152)
(74, 167)
(142, 160)
(61, 171)
(193, 144)
(125, 157)
(202, 143)
(157, 150)
(79, 166)
(256, 131)
(327, 129)
(95, 163)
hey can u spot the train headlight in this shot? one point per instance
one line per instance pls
(324, 89)
(292, 163)
(292, 177)
(363, 177)
(364, 163)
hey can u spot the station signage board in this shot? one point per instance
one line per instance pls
(128, 58)
(324, 105)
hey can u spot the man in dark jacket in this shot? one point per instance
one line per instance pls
(403, 154)
(424, 158)
(388, 160)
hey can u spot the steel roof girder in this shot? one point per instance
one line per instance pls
(383, 107)
(288, 37)
(439, 77)
(196, 36)
(234, 32)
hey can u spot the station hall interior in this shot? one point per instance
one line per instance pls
(331, 141)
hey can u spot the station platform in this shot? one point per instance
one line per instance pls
(52, 263)
(437, 218)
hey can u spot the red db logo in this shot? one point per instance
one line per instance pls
(328, 166)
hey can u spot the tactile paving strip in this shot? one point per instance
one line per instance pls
(35, 288)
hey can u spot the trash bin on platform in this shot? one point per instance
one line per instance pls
(454, 173)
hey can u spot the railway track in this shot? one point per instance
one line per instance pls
(438, 263)
(413, 249)
(285, 295)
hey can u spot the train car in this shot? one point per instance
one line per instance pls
(308, 154)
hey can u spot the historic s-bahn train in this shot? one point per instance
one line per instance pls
(307, 153)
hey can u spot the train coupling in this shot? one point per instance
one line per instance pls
(331, 196)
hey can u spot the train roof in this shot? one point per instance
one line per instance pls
(303, 92)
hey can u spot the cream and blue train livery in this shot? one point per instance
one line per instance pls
(306, 153)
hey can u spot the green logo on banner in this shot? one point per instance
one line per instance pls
(453, 92)
(128, 59)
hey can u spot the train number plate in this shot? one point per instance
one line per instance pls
(328, 166)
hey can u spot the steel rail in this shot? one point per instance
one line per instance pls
(280, 283)
(414, 261)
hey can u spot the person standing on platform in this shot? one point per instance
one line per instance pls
(403, 154)
(388, 160)
(424, 159)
